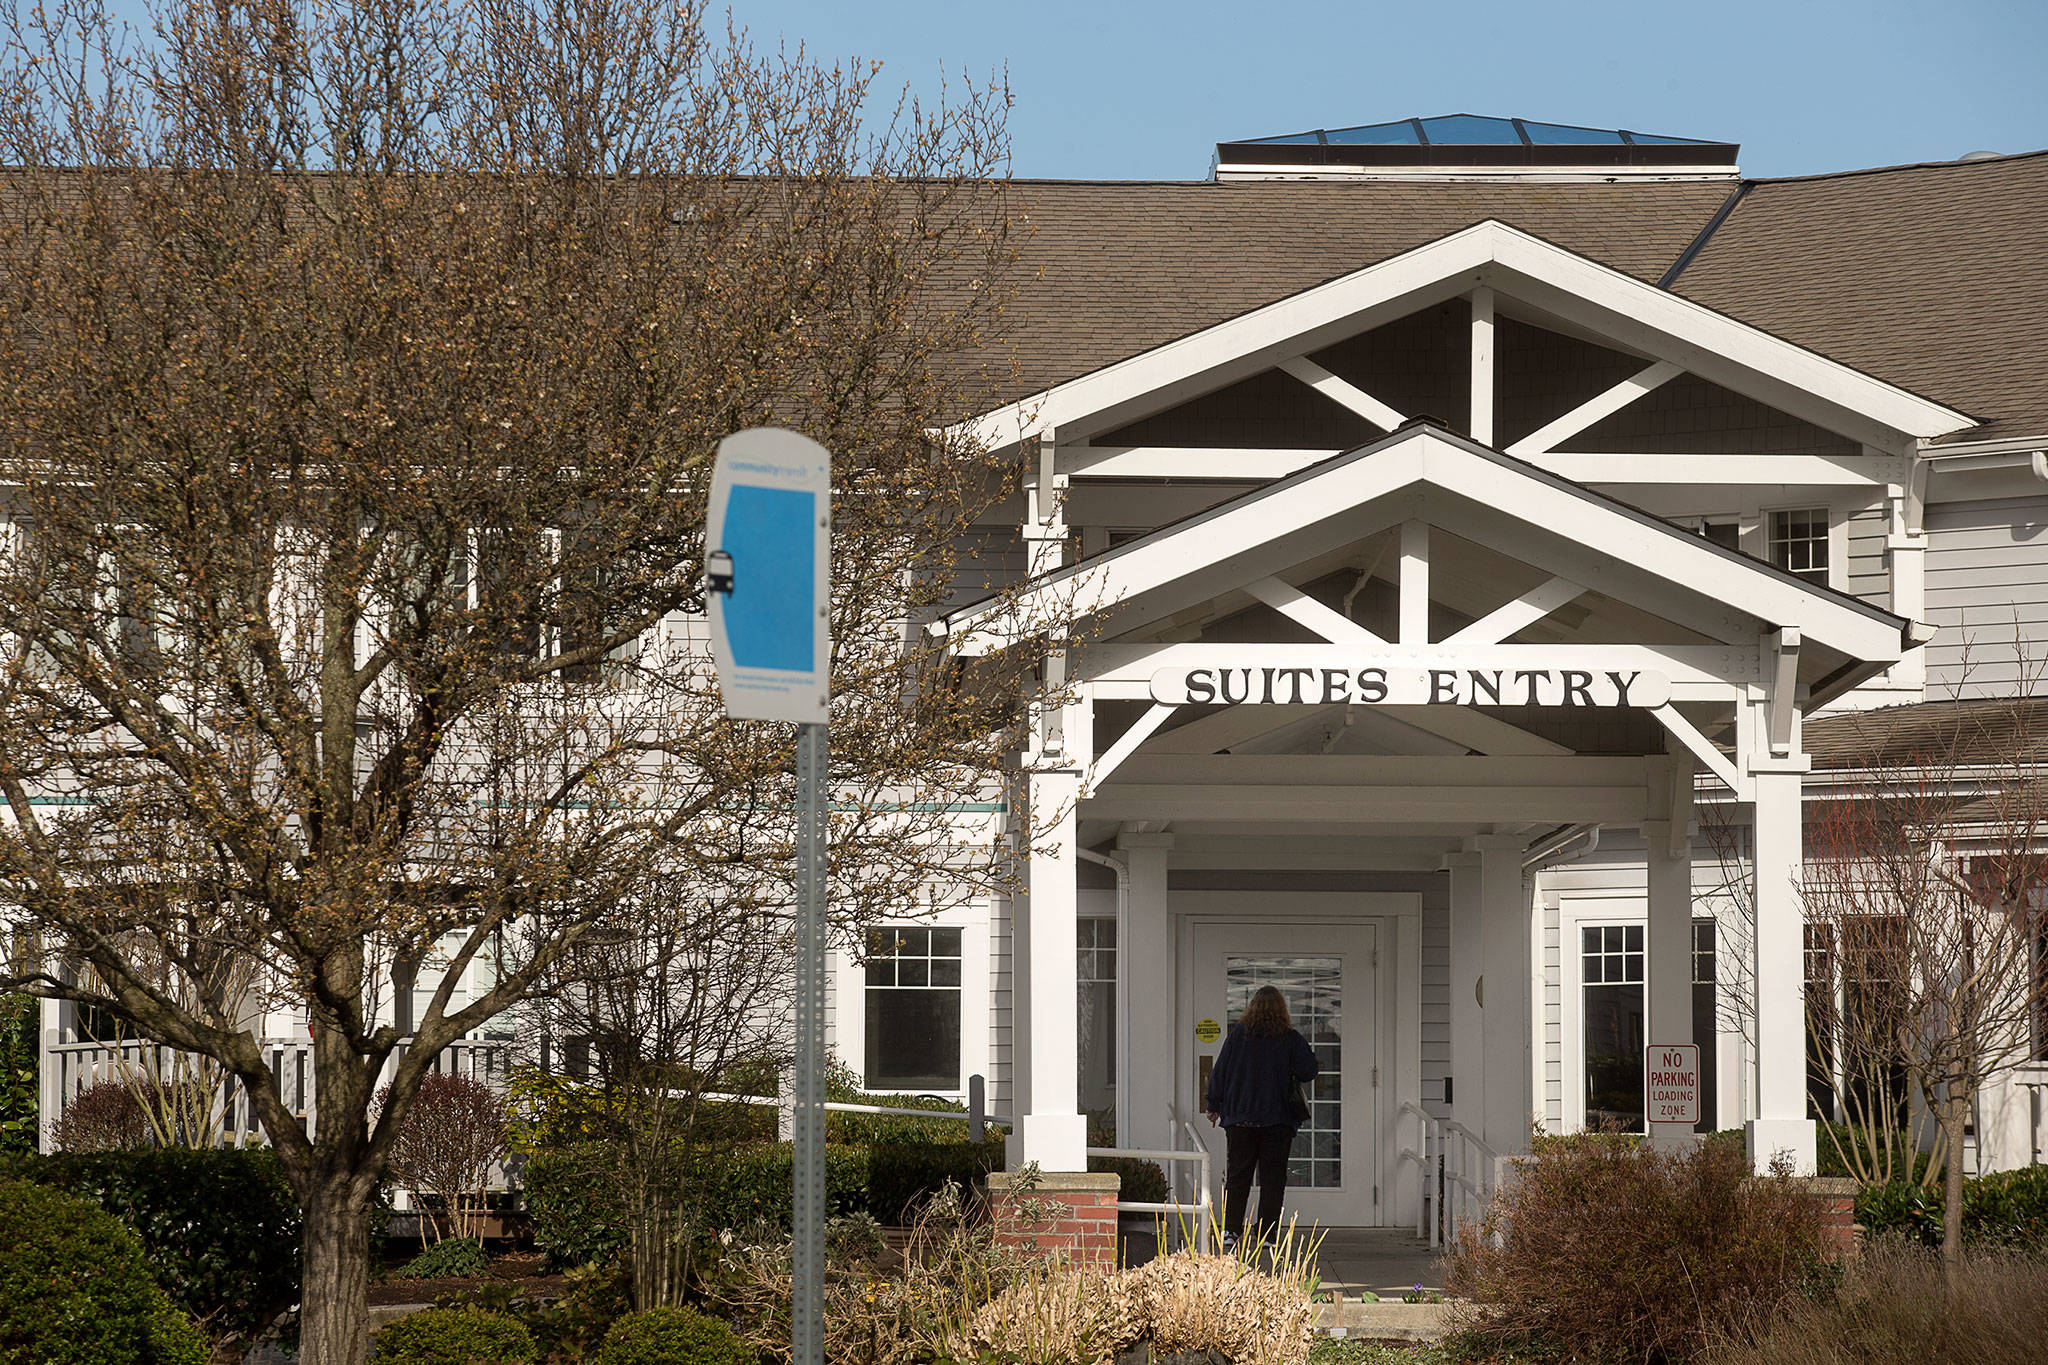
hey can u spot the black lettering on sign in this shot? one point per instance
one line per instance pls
(1622, 685)
(1372, 685)
(1296, 675)
(1244, 692)
(1532, 676)
(1268, 697)
(1490, 683)
(1336, 686)
(1578, 684)
(1443, 686)
(1201, 685)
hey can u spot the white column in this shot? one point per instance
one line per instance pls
(1779, 971)
(1669, 897)
(1504, 1012)
(1468, 1027)
(1481, 428)
(1054, 1132)
(1145, 1073)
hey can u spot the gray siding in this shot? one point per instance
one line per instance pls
(1987, 591)
(1866, 577)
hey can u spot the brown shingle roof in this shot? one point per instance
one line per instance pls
(1931, 277)
(1114, 269)
(1932, 735)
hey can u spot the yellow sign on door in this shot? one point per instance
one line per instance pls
(1208, 1031)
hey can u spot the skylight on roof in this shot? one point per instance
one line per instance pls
(1475, 144)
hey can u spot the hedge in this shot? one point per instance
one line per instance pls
(466, 1335)
(75, 1289)
(2002, 1208)
(221, 1229)
(672, 1336)
(579, 1218)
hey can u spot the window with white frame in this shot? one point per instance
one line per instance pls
(1611, 982)
(1705, 1007)
(1095, 996)
(913, 1008)
(1797, 542)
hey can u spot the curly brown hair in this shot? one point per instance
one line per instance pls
(1266, 1016)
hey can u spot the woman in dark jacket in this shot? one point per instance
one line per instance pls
(1249, 1091)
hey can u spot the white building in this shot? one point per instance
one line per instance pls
(1468, 499)
(1468, 502)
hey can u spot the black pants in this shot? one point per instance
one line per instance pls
(1250, 1150)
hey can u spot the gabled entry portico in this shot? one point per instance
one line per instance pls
(1420, 656)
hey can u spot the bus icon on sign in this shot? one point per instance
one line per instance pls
(1671, 1083)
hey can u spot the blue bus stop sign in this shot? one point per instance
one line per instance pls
(767, 575)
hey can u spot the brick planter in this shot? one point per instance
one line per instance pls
(1837, 1199)
(1083, 1221)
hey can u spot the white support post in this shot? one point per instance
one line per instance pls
(1779, 970)
(1505, 1099)
(1053, 1132)
(1482, 366)
(1668, 888)
(1147, 954)
(1468, 961)
(1906, 550)
(1414, 583)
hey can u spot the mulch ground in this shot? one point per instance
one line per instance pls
(526, 1271)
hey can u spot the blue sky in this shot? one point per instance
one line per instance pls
(1121, 90)
(1144, 89)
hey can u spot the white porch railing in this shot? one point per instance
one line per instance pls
(72, 1067)
(1457, 1176)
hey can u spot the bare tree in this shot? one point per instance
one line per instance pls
(1925, 872)
(362, 368)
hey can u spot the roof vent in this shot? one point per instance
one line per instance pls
(1475, 147)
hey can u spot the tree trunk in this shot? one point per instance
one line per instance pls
(1952, 1180)
(334, 1314)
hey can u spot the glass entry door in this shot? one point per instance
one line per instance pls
(1326, 973)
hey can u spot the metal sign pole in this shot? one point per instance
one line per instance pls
(807, 1251)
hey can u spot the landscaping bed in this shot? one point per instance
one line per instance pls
(526, 1273)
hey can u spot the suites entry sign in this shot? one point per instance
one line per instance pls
(1370, 681)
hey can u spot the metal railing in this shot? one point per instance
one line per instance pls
(1202, 1210)
(1457, 1176)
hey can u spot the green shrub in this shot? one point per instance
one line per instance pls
(672, 1336)
(2000, 1209)
(20, 1027)
(572, 1195)
(221, 1229)
(1606, 1250)
(75, 1289)
(902, 1175)
(1140, 1181)
(455, 1336)
(456, 1257)
(751, 1184)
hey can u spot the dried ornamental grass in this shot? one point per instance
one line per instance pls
(1198, 1303)
(1058, 1314)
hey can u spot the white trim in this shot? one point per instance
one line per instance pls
(1526, 610)
(1254, 465)
(1343, 392)
(1596, 409)
(1310, 614)
(1662, 325)
(1414, 583)
(1637, 559)
(1127, 744)
(977, 986)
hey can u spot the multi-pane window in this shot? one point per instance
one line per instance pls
(913, 1008)
(1704, 1008)
(2040, 1052)
(1612, 977)
(1798, 542)
(1095, 996)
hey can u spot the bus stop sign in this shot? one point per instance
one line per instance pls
(767, 567)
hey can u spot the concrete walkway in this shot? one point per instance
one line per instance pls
(1388, 1261)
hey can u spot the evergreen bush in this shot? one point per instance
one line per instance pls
(221, 1229)
(468, 1335)
(672, 1336)
(75, 1289)
(2000, 1209)
(458, 1257)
